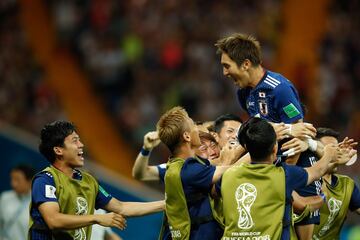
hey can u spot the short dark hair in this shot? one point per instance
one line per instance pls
(27, 170)
(53, 135)
(258, 137)
(240, 47)
(219, 122)
(326, 132)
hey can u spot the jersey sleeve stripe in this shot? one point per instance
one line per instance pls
(275, 80)
(272, 81)
(269, 83)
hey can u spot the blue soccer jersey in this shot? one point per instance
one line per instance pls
(197, 178)
(274, 98)
(162, 170)
(308, 159)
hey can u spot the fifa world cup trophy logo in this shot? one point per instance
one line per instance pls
(334, 206)
(245, 196)
(81, 209)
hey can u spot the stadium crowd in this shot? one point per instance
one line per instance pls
(129, 51)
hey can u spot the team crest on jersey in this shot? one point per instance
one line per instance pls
(263, 107)
(262, 94)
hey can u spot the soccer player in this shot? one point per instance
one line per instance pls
(209, 149)
(341, 194)
(64, 197)
(14, 204)
(226, 127)
(188, 179)
(257, 196)
(261, 93)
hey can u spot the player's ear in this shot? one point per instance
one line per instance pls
(186, 136)
(58, 150)
(275, 148)
(246, 64)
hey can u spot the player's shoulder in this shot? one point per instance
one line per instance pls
(194, 165)
(289, 169)
(43, 177)
(161, 166)
(343, 177)
(191, 160)
(276, 81)
(234, 169)
(44, 174)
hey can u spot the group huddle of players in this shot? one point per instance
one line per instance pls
(270, 177)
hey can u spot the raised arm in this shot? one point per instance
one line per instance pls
(141, 169)
(327, 161)
(348, 153)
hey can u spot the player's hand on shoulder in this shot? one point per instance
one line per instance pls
(281, 130)
(303, 130)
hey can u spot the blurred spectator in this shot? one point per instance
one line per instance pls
(145, 56)
(339, 71)
(338, 101)
(26, 100)
(14, 204)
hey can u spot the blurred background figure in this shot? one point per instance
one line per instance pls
(14, 204)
